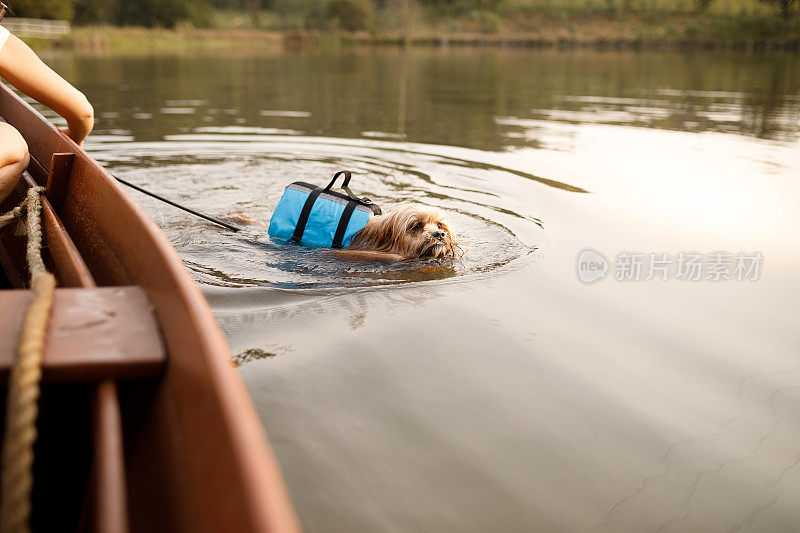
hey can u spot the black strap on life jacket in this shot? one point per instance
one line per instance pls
(341, 228)
(304, 213)
(343, 222)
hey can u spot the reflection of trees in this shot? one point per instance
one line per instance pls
(402, 92)
(767, 113)
(445, 97)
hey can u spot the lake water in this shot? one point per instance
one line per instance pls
(498, 392)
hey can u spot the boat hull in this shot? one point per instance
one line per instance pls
(186, 446)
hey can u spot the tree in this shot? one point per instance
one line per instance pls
(44, 9)
(785, 5)
(702, 5)
(151, 13)
(351, 15)
(160, 13)
(95, 11)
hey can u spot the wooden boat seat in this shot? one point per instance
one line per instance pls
(94, 334)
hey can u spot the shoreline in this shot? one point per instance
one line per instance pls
(534, 41)
(135, 40)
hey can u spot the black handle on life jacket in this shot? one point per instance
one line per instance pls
(347, 176)
(345, 186)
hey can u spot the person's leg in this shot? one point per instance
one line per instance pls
(13, 158)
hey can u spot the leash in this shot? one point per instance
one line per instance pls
(179, 206)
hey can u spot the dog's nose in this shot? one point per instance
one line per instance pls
(438, 235)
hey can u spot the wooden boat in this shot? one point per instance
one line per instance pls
(144, 424)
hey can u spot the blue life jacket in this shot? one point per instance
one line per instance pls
(320, 217)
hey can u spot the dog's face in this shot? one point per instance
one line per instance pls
(410, 230)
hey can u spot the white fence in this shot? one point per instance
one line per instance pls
(37, 28)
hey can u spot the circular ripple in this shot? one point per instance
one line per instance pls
(217, 174)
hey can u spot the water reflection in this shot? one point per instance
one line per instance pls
(458, 97)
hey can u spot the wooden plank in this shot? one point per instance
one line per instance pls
(94, 334)
(59, 251)
(107, 491)
(58, 179)
(70, 270)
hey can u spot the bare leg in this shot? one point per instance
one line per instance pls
(13, 159)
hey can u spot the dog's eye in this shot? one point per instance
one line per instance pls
(439, 225)
(416, 226)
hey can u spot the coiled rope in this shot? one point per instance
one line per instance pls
(16, 463)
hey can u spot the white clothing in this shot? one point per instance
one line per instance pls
(3, 36)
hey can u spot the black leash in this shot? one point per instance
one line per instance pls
(179, 206)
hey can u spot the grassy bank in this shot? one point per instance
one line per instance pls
(131, 40)
(628, 31)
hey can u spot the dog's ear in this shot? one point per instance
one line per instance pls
(376, 235)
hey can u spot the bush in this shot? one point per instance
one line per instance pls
(488, 21)
(350, 15)
(95, 11)
(702, 5)
(44, 9)
(162, 13)
(764, 27)
(693, 28)
(316, 17)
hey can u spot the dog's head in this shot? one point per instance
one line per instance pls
(410, 230)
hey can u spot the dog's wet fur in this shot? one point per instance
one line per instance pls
(411, 231)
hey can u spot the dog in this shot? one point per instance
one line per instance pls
(407, 232)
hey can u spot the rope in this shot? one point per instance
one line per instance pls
(16, 462)
(15, 214)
